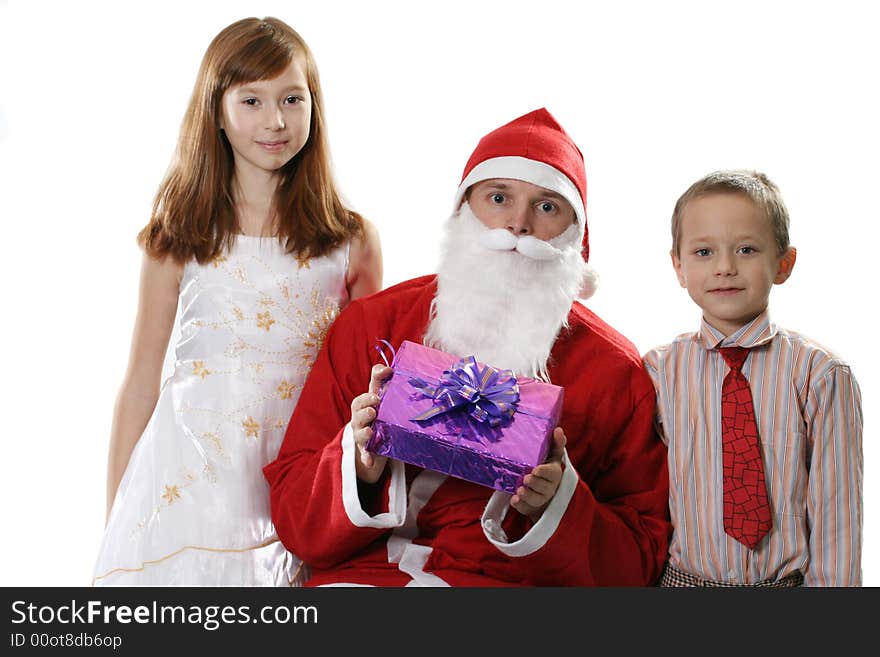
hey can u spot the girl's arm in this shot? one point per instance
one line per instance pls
(364, 264)
(157, 306)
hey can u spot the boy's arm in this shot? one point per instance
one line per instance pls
(834, 498)
(651, 363)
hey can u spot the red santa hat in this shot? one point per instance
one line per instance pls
(533, 148)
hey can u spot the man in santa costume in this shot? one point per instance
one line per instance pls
(513, 264)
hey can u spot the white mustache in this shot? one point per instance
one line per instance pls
(499, 239)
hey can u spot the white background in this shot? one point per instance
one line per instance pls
(656, 95)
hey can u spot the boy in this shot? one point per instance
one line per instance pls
(763, 426)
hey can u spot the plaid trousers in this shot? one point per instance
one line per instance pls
(672, 576)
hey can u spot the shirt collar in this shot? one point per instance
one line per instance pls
(757, 332)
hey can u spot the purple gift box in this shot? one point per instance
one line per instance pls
(464, 419)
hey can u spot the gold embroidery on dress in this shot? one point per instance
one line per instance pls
(151, 562)
(251, 428)
(318, 331)
(214, 439)
(286, 389)
(236, 347)
(277, 422)
(264, 320)
(171, 493)
(296, 311)
(322, 317)
(232, 416)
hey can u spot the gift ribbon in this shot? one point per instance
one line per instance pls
(490, 395)
(382, 353)
(469, 386)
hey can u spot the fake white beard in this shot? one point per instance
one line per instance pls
(503, 306)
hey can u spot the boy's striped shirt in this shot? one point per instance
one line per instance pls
(808, 410)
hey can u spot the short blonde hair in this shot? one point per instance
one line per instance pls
(757, 186)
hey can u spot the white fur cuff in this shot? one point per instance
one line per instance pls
(396, 513)
(540, 533)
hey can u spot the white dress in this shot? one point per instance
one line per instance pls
(193, 505)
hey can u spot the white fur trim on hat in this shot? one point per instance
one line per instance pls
(530, 171)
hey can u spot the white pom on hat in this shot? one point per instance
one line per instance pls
(590, 282)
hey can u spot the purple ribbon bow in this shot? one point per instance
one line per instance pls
(488, 395)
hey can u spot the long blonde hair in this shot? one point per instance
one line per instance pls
(193, 212)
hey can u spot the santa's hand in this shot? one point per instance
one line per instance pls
(541, 484)
(369, 467)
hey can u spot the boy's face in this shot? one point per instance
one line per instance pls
(729, 259)
(520, 207)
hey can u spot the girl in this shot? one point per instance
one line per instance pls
(249, 231)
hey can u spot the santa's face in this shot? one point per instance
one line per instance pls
(520, 207)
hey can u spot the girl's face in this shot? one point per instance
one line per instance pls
(267, 121)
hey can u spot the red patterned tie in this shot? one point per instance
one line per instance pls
(746, 510)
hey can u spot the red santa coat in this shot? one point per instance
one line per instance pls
(607, 524)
